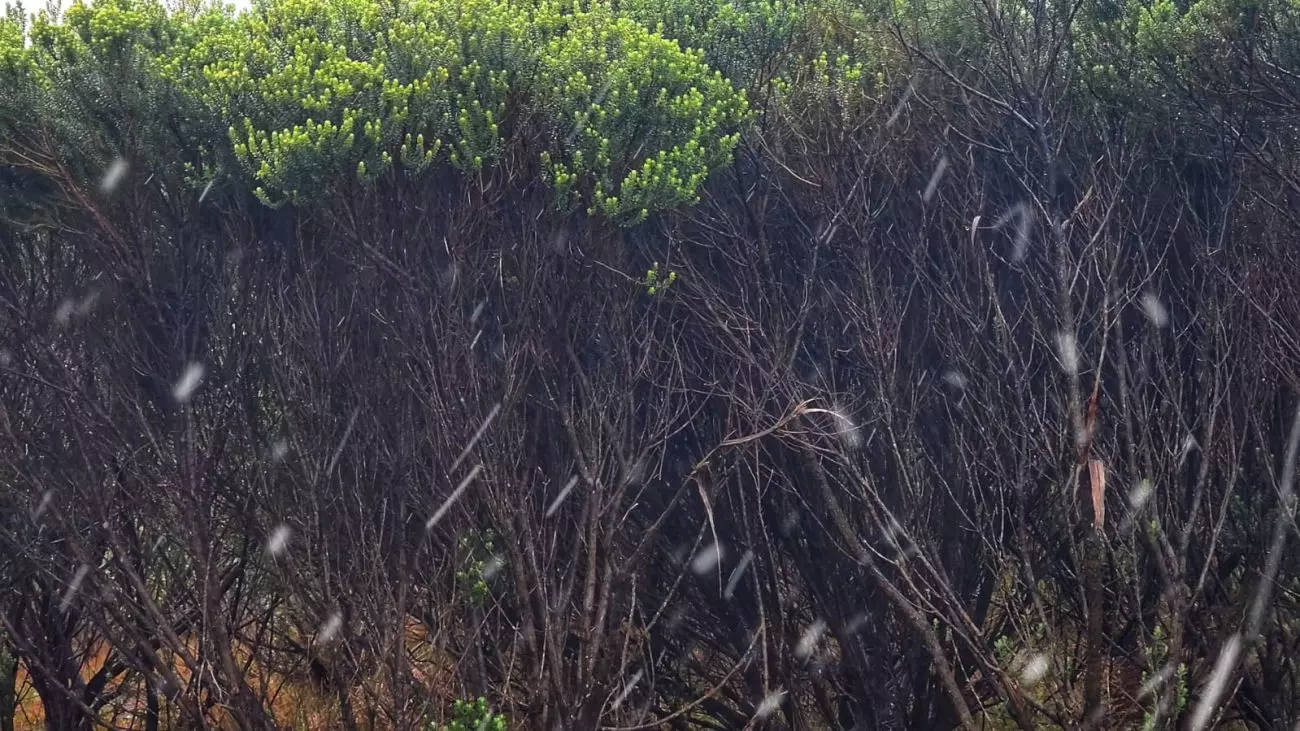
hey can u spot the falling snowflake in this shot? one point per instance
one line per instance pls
(453, 497)
(771, 703)
(1035, 669)
(955, 379)
(1022, 217)
(189, 382)
(87, 303)
(935, 177)
(564, 493)
(707, 559)
(627, 690)
(1156, 681)
(278, 540)
(1155, 310)
(848, 432)
(737, 573)
(493, 567)
(113, 176)
(1141, 493)
(279, 450)
(808, 641)
(82, 571)
(1067, 350)
(901, 106)
(46, 498)
(63, 315)
(1218, 682)
(330, 628)
(482, 429)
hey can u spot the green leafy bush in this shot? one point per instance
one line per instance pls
(316, 93)
(470, 716)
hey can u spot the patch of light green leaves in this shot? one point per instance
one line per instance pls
(319, 92)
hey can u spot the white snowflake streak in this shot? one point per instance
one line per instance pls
(808, 642)
(771, 702)
(564, 493)
(1223, 669)
(82, 571)
(330, 628)
(477, 436)
(453, 497)
(189, 382)
(627, 690)
(707, 559)
(278, 540)
(113, 175)
(737, 573)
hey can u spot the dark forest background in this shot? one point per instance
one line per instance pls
(650, 364)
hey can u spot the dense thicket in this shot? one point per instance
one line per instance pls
(650, 363)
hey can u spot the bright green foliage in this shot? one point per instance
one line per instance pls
(638, 109)
(477, 552)
(320, 92)
(1157, 652)
(745, 39)
(792, 53)
(471, 716)
(317, 96)
(657, 282)
(90, 88)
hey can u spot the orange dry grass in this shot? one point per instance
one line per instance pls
(295, 703)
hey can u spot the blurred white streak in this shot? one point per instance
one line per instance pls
(1189, 443)
(902, 104)
(737, 573)
(82, 571)
(1021, 215)
(453, 497)
(44, 505)
(477, 436)
(856, 624)
(808, 642)
(1067, 350)
(1227, 662)
(627, 690)
(63, 314)
(935, 177)
(707, 559)
(1154, 682)
(1155, 310)
(848, 432)
(87, 303)
(564, 493)
(190, 380)
(330, 628)
(334, 458)
(278, 540)
(1035, 669)
(1141, 493)
(279, 450)
(771, 703)
(113, 175)
(1213, 693)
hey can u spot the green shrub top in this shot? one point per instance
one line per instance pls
(319, 95)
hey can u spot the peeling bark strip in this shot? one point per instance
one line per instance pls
(1097, 478)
